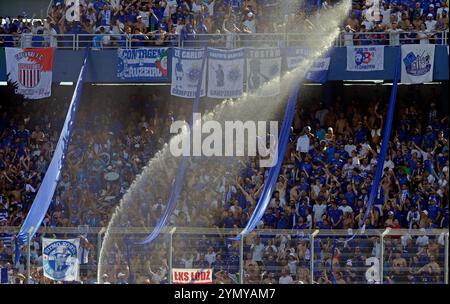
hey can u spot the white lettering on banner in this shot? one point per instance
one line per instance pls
(191, 276)
(73, 10)
(373, 10)
(373, 273)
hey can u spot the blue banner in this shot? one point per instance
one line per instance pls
(44, 196)
(181, 172)
(274, 171)
(148, 64)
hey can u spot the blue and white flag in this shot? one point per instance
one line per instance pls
(148, 64)
(60, 259)
(365, 58)
(417, 63)
(263, 72)
(186, 72)
(318, 72)
(226, 73)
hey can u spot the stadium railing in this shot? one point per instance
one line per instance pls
(228, 40)
(310, 256)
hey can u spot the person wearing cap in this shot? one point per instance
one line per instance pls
(430, 23)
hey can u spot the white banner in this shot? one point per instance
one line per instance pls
(417, 63)
(191, 276)
(225, 73)
(31, 69)
(263, 72)
(60, 259)
(186, 72)
(365, 58)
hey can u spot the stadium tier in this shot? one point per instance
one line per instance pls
(225, 142)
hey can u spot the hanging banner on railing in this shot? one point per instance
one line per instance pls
(148, 64)
(60, 259)
(191, 276)
(365, 58)
(318, 72)
(225, 73)
(32, 70)
(417, 63)
(186, 71)
(263, 66)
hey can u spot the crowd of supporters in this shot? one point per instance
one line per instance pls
(158, 23)
(325, 184)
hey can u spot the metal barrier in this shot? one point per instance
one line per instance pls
(229, 40)
(390, 256)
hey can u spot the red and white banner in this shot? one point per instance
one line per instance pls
(31, 69)
(191, 276)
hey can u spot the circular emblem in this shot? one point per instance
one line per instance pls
(234, 74)
(194, 74)
(274, 70)
(59, 259)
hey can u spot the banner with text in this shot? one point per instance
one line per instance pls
(191, 276)
(31, 69)
(417, 63)
(148, 64)
(186, 72)
(318, 72)
(365, 58)
(263, 72)
(60, 259)
(225, 73)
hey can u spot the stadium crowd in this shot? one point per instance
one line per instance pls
(158, 23)
(325, 184)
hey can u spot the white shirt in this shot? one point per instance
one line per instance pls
(348, 38)
(368, 24)
(319, 210)
(303, 143)
(257, 252)
(145, 17)
(422, 240)
(386, 15)
(210, 257)
(250, 24)
(430, 25)
(286, 280)
(349, 149)
(440, 10)
(346, 209)
(394, 39)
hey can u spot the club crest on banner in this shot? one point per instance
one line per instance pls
(31, 69)
(363, 57)
(60, 259)
(29, 75)
(417, 64)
